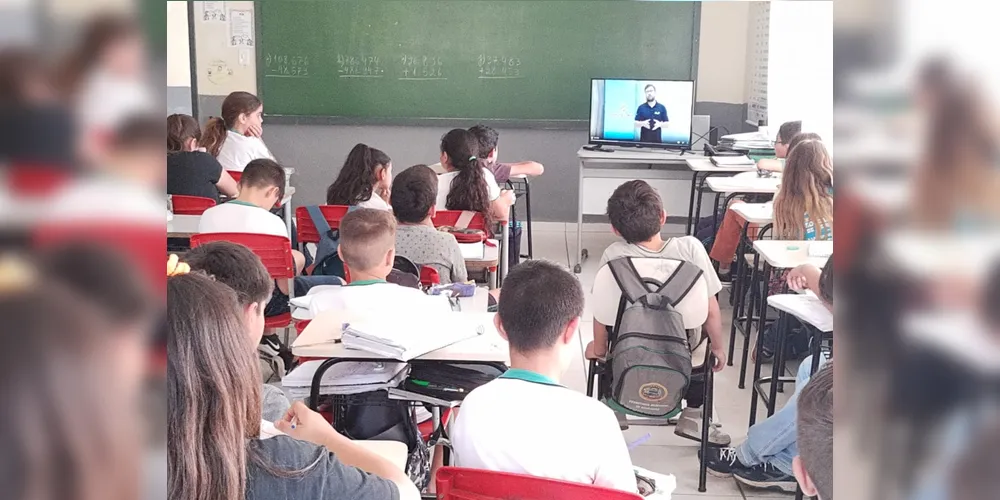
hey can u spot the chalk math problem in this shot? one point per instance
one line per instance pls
(285, 66)
(421, 67)
(499, 67)
(360, 66)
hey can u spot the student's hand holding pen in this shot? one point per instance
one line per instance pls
(304, 424)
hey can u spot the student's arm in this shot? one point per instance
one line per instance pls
(804, 277)
(529, 168)
(600, 340)
(227, 185)
(615, 468)
(311, 426)
(500, 207)
(770, 164)
(713, 328)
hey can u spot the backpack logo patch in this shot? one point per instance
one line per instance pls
(653, 392)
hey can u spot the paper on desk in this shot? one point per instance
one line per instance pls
(407, 337)
(727, 161)
(472, 251)
(345, 373)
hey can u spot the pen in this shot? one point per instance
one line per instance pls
(436, 387)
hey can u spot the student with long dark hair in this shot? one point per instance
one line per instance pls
(467, 183)
(214, 420)
(235, 137)
(190, 170)
(364, 180)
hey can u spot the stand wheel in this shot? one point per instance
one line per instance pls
(577, 269)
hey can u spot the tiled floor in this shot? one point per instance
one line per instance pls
(663, 452)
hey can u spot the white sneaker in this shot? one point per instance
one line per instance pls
(689, 426)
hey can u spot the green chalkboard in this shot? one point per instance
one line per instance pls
(506, 60)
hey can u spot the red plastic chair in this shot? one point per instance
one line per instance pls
(235, 174)
(306, 230)
(429, 276)
(35, 180)
(456, 483)
(190, 205)
(276, 254)
(451, 218)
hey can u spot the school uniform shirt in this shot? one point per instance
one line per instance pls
(501, 171)
(426, 246)
(193, 173)
(376, 296)
(526, 423)
(238, 150)
(241, 217)
(106, 100)
(375, 202)
(322, 474)
(444, 187)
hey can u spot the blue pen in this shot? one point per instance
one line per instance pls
(637, 442)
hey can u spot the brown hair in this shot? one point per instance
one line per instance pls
(540, 299)
(213, 391)
(366, 234)
(181, 128)
(801, 137)
(58, 439)
(102, 32)
(814, 427)
(634, 210)
(20, 70)
(235, 266)
(236, 104)
(264, 173)
(789, 130)
(806, 188)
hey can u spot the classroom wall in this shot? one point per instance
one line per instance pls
(317, 151)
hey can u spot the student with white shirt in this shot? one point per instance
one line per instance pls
(363, 181)
(235, 138)
(524, 422)
(467, 184)
(367, 247)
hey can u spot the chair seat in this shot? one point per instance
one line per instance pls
(280, 321)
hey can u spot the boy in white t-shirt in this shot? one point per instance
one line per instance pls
(524, 422)
(636, 214)
(367, 247)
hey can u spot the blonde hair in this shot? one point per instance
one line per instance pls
(806, 189)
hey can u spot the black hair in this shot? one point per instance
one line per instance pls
(468, 189)
(789, 130)
(235, 266)
(487, 139)
(539, 300)
(139, 132)
(634, 210)
(357, 177)
(414, 192)
(815, 430)
(826, 282)
(264, 173)
(102, 276)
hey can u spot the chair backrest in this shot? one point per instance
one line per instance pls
(694, 307)
(190, 205)
(453, 217)
(35, 180)
(274, 251)
(306, 230)
(429, 276)
(456, 483)
(236, 175)
(405, 265)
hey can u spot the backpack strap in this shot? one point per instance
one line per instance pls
(464, 219)
(318, 220)
(628, 279)
(683, 279)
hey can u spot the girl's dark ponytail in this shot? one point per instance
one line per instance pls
(469, 190)
(356, 180)
(214, 135)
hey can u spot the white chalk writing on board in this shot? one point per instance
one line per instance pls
(421, 67)
(241, 28)
(499, 67)
(360, 66)
(285, 66)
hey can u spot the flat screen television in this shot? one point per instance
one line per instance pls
(641, 113)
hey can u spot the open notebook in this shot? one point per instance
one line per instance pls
(405, 337)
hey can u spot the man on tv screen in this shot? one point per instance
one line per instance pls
(651, 117)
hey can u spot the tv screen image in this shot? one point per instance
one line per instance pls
(655, 113)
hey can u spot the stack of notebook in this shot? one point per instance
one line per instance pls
(405, 337)
(347, 377)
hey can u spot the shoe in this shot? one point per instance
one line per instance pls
(766, 476)
(721, 461)
(689, 426)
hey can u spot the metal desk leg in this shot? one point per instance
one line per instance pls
(706, 416)
(748, 325)
(504, 253)
(691, 225)
(579, 226)
(527, 211)
(737, 293)
(761, 324)
(777, 364)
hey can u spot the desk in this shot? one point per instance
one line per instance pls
(183, 226)
(760, 214)
(489, 262)
(601, 164)
(705, 167)
(755, 213)
(527, 208)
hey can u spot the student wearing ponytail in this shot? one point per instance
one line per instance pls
(235, 137)
(467, 183)
(190, 170)
(363, 181)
